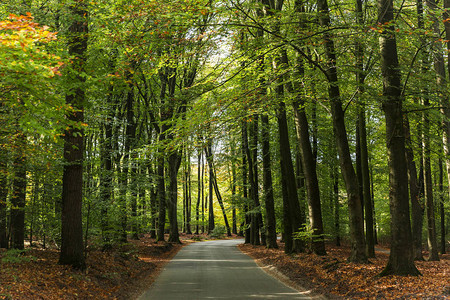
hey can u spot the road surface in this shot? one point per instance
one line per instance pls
(216, 270)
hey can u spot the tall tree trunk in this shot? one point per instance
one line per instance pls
(210, 160)
(362, 132)
(3, 196)
(446, 103)
(211, 223)
(203, 195)
(309, 165)
(335, 177)
(72, 192)
(233, 190)
(106, 178)
(188, 195)
(199, 190)
(356, 224)
(372, 193)
(18, 194)
(161, 188)
(293, 215)
(368, 206)
(174, 165)
(439, 68)
(401, 260)
(417, 209)
(429, 201)
(153, 203)
(254, 229)
(442, 212)
(271, 241)
(129, 162)
(244, 181)
(134, 195)
(358, 167)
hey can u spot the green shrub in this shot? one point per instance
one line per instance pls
(218, 232)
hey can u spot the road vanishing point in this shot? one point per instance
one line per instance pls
(217, 270)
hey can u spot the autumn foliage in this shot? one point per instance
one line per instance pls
(21, 49)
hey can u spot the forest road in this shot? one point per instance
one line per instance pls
(217, 270)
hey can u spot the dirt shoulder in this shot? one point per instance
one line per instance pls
(333, 276)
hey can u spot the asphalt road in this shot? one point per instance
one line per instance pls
(216, 270)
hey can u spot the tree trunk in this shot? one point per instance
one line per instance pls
(161, 189)
(153, 211)
(254, 216)
(401, 260)
(106, 178)
(203, 196)
(233, 190)
(368, 206)
(18, 194)
(72, 191)
(429, 201)
(335, 177)
(211, 223)
(442, 212)
(356, 224)
(210, 160)
(188, 195)
(446, 103)
(362, 132)
(129, 162)
(439, 68)
(271, 241)
(290, 195)
(174, 165)
(309, 166)
(199, 190)
(3, 197)
(414, 192)
(244, 181)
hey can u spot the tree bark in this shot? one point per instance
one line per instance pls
(446, 103)
(255, 209)
(106, 180)
(429, 201)
(309, 165)
(442, 212)
(161, 188)
(174, 165)
(211, 223)
(233, 190)
(199, 190)
(18, 194)
(362, 132)
(439, 68)
(72, 192)
(271, 241)
(290, 195)
(335, 177)
(356, 224)
(401, 260)
(210, 160)
(417, 209)
(3, 197)
(244, 181)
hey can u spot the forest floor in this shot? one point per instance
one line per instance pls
(126, 272)
(333, 276)
(120, 273)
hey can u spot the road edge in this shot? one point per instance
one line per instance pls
(272, 271)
